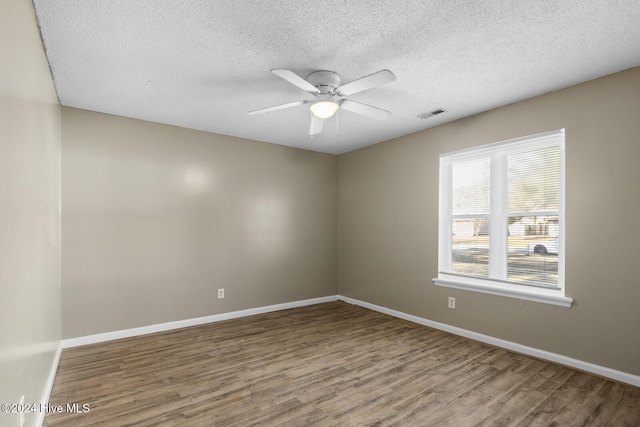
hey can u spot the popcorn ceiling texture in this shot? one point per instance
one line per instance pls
(205, 64)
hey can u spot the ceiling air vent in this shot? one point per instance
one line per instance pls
(431, 113)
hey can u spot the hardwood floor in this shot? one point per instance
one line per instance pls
(330, 364)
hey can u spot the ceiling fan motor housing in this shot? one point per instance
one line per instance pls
(325, 81)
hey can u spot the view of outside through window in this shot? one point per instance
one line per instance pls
(532, 184)
(471, 201)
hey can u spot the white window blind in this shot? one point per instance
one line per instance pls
(501, 217)
(533, 215)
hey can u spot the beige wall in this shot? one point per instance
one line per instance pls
(29, 217)
(388, 222)
(156, 218)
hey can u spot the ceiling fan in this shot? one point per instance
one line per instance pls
(330, 95)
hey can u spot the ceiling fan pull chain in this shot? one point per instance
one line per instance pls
(311, 133)
(337, 121)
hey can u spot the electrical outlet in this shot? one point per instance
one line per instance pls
(221, 293)
(452, 302)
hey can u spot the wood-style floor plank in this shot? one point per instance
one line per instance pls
(330, 364)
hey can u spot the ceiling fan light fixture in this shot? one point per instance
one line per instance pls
(324, 109)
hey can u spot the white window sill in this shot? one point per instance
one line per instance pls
(529, 293)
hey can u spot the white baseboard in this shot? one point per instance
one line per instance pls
(518, 348)
(161, 327)
(49, 384)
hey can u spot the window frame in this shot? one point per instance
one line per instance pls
(497, 284)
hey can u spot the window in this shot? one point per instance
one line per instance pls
(501, 219)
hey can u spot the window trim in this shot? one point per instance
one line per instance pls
(545, 294)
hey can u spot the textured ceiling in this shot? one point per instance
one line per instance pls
(204, 64)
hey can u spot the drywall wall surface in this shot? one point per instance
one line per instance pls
(388, 224)
(157, 218)
(30, 213)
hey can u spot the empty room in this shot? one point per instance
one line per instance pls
(303, 213)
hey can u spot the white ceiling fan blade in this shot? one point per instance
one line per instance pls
(296, 80)
(316, 125)
(367, 82)
(277, 107)
(364, 109)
